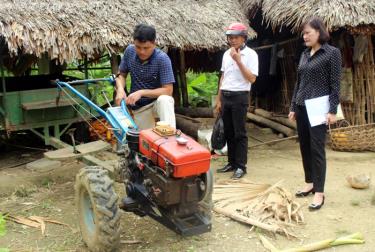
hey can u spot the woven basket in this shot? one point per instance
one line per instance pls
(353, 138)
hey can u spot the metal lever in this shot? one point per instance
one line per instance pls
(106, 98)
(71, 134)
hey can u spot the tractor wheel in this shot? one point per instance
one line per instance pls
(98, 212)
(206, 203)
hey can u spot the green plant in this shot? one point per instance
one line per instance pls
(46, 205)
(355, 238)
(97, 91)
(47, 182)
(3, 230)
(24, 191)
(201, 87)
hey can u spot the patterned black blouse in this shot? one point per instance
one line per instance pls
(318, 75)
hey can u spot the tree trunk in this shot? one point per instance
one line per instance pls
(188, 125)
(195, 112)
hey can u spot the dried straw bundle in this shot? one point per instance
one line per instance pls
(269, 207)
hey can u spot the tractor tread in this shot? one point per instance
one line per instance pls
(94, 182)
(112, 201)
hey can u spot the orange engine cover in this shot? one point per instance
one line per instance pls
(184, 160)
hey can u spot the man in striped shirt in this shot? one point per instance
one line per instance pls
(152, 80)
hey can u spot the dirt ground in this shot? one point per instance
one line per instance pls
(50, 193)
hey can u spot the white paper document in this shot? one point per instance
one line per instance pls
(317, 110)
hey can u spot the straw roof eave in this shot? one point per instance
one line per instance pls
(355, 15)
(69, 31)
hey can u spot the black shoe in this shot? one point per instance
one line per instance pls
(226, 168)
(238, 173)
(301, 194)
(314, 207)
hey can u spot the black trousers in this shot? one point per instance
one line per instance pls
(312, 145)
(234, 109)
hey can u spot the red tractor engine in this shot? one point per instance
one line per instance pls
(178, 155)
(167, 177)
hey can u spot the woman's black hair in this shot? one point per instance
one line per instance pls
(318, 25)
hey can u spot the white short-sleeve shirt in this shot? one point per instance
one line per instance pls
(233, 78)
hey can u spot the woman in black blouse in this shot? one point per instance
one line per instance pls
(319, 73)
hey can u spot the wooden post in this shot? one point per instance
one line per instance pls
(44, 64)
(115, 61)
(185, 100)
(86, 68)
(4, 91)
(172, 53)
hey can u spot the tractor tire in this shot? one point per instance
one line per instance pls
(206, 203)
(98, 212)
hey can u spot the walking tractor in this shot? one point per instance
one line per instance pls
(166, 176)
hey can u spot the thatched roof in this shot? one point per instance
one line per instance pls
(69, 30)
(356, 15)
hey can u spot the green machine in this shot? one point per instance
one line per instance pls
(33, 103)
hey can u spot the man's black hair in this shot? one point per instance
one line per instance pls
(144, 33)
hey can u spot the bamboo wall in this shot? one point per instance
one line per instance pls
(362, 110)
(288, 67)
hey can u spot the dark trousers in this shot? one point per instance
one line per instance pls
(234, 109)
(312, 146)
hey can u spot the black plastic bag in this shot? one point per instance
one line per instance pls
(218, 137)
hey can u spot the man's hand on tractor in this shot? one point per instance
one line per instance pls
(120, 95)
(134, 97)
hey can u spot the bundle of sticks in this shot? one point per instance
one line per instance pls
(269, 207)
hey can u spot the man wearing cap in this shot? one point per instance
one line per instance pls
(151, 80)
(239, 70)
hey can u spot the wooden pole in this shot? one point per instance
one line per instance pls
(86, 67)
(172, 53)
(282, 120)
(184, 91)
(195, 112)
(114, 63)
(273, 141)
(4, 90)
(370, 82)
(274, 125)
